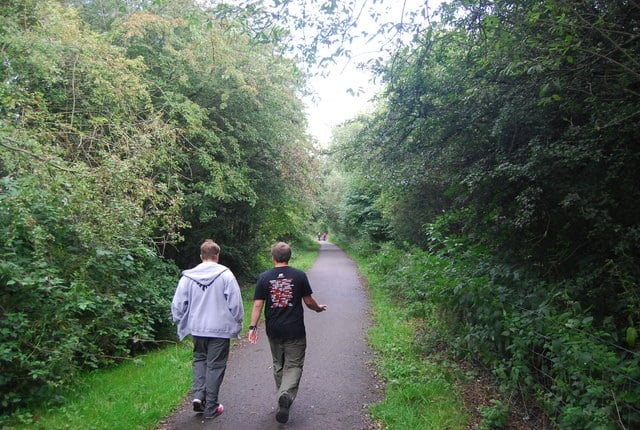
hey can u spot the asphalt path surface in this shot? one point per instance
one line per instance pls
(337, 384)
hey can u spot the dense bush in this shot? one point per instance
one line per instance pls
(536, 342)
(126, 140)
(66, 307)
(504, 144)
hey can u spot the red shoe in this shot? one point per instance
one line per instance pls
(218, 411)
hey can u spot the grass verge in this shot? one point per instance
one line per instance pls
(134, 395)
(419, 393)
(139, 393)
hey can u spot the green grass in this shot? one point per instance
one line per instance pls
(133, 395)
(419, 393)
(139, 393)
(304, 254)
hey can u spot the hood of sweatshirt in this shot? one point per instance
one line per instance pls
(205, 273)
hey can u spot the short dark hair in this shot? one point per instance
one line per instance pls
(281, 252)
(209, 249)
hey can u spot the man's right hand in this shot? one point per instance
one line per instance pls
(253, 336)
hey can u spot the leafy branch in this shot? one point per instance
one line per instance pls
(33, 155)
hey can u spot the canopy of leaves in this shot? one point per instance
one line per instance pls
(240, 123)
(513, 125)
(524, 116)
(125, 141)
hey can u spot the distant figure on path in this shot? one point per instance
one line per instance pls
(283, 289)
(208, 305)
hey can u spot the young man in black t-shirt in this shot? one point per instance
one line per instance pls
(283, 289)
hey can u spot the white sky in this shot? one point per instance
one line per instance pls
(335, 104)
(332, 103)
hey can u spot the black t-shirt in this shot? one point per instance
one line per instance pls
(282, 289)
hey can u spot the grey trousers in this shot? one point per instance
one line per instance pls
(210, 356)
(288, 361)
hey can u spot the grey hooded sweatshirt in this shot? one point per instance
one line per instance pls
(208, 302)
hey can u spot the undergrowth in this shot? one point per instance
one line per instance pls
(538, 343)
(419, 393)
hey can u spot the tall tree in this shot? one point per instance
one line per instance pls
(522, 115)
(85, 185)
(245, 155)
(515, 126)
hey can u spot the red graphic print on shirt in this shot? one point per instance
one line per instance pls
(281, 292)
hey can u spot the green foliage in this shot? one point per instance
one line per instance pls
(80, 193)
(135, 395)
(419, 393)
(494, 416)
(116, 146)
(359, 217)
(485, 117)
(76, 124)
(535, 341)
(320, 32)
(244, 159)
(67, 308)
(505, 144)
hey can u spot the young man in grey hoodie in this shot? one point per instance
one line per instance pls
(208, 306)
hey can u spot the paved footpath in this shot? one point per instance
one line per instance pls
(336, 384)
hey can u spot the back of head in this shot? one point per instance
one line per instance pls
(209, 250)
(281, 252)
